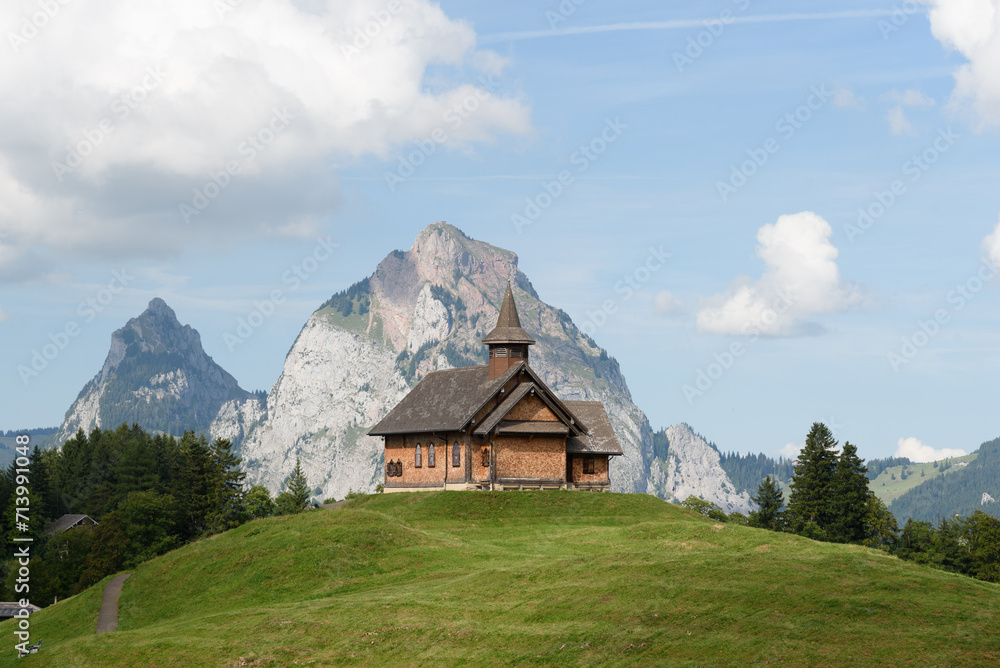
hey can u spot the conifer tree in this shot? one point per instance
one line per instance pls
(769, 500)
(228, 482)
(196, 485)
(41, 487)
(849, 496)
(298, 486)
(881, 529)
(296, 498)
(811, 484)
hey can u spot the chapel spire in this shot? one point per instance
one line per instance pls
(508, 343)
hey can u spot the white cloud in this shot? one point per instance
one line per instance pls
(667, 303)
(179, 90)
(911, 97)
(972, 27)
(916, 451)
(791, 450)
(846, 99)
(801, 280)
(898, 123)
(3, 315)
(991, 244)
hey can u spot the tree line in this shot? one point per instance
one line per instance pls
(830, 501)
(148, 493)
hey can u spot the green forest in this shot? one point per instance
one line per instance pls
(148, 493)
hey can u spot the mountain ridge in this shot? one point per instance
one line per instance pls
(157, 374)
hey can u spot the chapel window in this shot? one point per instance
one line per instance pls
(486, 456)
(430, 456)
(418, 457)
(588, 465)
(456, 455)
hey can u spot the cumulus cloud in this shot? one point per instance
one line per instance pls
(991, 244)
(666, 303)
(113, 118)
(972, 27)
(791, 450)
(801, 280)
(916, 451)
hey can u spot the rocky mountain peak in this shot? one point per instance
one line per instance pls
(157, 330)
(158, 375)
(158, 307)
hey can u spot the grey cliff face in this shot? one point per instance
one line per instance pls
(692, 468)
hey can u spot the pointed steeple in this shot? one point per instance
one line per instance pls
(508, 329)
(508, 311)
(508, 343)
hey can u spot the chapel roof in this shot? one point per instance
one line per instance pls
(443, 401)
(600, 437)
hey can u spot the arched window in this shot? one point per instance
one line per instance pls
(456, 455)
(486, 456)
(430, 455)
(419, 456)
(399, 468)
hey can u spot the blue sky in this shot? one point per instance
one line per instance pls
(906, 100)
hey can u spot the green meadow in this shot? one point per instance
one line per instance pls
(522, 578)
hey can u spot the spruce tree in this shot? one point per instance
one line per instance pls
(196, 489)
(811, 484)
(849, 496)
(769, 500)
(228, 483)
(298, 487)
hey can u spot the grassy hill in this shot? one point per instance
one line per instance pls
(890, 485)
(522, 578)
